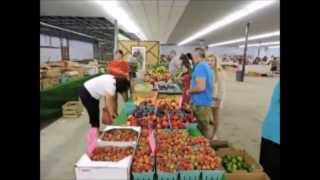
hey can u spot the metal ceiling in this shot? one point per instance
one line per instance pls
(98, 27)
(98, 30)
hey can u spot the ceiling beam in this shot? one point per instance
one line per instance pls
(70, 31)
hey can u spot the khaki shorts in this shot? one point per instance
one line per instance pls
(205, 120)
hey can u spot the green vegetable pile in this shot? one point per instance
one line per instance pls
(235, 163)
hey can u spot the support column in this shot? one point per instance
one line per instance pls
(259, 48)
(116, 31)
(245, 53)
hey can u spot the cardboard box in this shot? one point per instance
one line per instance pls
(138, 97)
(86, 169)
(53, 73)
(118, 143)
(256, 174)
(48, 83)
(247, 176)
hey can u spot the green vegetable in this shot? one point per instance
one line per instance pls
(239, 158)
(234, 160)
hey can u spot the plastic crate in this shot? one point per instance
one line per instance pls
(143, 176)
(190, 175)
(212, 175)
(167, 176)
(129, 108)
(191, 125)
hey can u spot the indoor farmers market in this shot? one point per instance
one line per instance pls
(160, 90)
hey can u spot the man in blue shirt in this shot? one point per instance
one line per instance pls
(201, 93)
(270, 143)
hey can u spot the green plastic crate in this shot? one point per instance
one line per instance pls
(212, 175)
(143, 176)
(167, 176)
(129, 108)
(192, 126)
(193, 130)
(190, 175)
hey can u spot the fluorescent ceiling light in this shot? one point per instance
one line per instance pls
(122, 37)
(273, 47)
(250, 38)
(114, 9)
(245, 11)
(262, 44)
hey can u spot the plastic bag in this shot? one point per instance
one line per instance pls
(92, 140)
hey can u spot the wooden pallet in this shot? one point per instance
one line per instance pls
(72, 109)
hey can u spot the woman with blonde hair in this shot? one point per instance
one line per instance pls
(219, 88)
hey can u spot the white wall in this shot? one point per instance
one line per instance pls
(49, 54)
(80, 50)
(165, 49)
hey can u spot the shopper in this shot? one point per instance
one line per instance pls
(219, 88)
(189, 55)
(174, 64)
(201, 93)
(274, 64)
(265, 59)
(185, 78)
(118, 67)
(104, 86)
(270, 142)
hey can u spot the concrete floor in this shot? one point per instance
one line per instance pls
(64, 141)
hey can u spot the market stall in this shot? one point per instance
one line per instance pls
(156, 137)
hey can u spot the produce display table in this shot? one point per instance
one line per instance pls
(122, 119)
(169, 145)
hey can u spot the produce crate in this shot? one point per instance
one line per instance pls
(244, 154)
(48, 83)
(169, 97)
(247, 176)
(167, 176)
(53, 73)
(129, 108)
(212, 174)
(72, 109)
(86, 169)
(193, 130)
(143, 176)
(141, 96)
(256, 174)
(190, 175)
(134, 143)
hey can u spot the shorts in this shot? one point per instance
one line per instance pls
(270, 158)
(205, 120)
